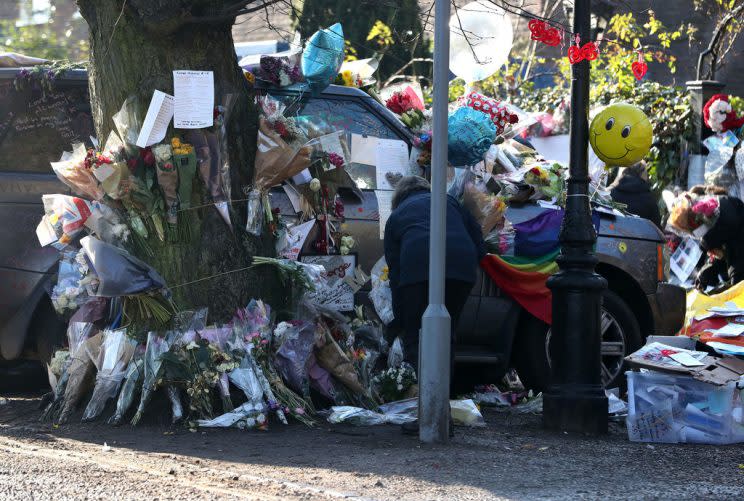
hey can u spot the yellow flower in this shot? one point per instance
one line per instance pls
(175, 142)
(348, 78)
(250, 77)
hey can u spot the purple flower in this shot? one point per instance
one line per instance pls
(23, 73)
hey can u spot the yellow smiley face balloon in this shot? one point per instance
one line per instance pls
(621, 135)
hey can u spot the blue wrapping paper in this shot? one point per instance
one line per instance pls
(322, 57)
(470, 135)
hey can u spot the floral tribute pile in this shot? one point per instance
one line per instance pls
(131, 342)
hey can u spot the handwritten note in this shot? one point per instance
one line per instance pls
(335, 293)
(391, 159)
(193, 99)
(363, 149)
(158, 118)
(296, 236)
(384, 207)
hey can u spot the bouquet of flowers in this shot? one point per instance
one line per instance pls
(488, 210)
(392, 384)
(184, 158)
(537, 176)
(81, 375)
(167, 180)
(133, 379)
(406, 106)
(690, 213)
(70, 292)
(75, 170)
(116, 352)
(153, 371)
(280, 70)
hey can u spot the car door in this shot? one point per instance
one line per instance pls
(36, 127)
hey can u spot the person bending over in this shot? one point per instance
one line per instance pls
(407, 256)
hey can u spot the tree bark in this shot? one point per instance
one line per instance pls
(135, 45)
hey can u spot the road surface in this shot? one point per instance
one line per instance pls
(511, 458)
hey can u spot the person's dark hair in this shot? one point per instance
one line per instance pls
(406, 186)
(710, 189)
(638, 169)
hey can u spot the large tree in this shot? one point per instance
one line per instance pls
(135, 45)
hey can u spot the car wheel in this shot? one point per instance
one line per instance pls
(621, 336)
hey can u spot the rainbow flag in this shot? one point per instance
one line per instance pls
(523, 276)
(524, 279)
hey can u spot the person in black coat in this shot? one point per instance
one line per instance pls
(725, 241)
(633, 189)
(407, 256)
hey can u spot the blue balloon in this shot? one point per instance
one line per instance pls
(470, 134)
(322, 57)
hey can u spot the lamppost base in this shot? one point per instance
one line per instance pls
(575, 408)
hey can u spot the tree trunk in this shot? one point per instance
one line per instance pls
(135, 45)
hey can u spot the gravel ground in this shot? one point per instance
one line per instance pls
(511, 458)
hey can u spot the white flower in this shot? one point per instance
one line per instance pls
(400, 387)
(348, 241)
(344, 250)
(250, 422)
(284, 79)
(315, 184)
(192, 346)
(400, 378)
(261, 419)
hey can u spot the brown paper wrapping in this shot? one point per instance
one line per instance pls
(332, 358)
(277, 161)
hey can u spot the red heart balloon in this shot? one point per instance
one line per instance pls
(589, 51)
(574, 54)
(537, 28)
(552, 37)
(639, 69)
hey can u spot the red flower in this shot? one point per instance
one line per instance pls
(281, 129)
(148, 157)
(336, 160)
(399, 103)
(132, 164)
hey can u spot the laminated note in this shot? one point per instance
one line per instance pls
(384, 207)
(193, 99)
(391, 162)
(158, 118)
(363, 149)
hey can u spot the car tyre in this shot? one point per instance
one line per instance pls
(621, 337)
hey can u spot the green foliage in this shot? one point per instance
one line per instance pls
(42, 41)
(670, 112)
(391, 32)
(612, 80)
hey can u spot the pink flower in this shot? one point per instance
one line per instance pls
(706, 207)
(299, 410)
(336, 160)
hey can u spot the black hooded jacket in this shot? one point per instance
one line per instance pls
(631, 190)
(726, 234)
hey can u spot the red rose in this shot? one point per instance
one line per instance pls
(149, 158)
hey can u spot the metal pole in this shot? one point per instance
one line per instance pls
(434, 346)
(575, 400)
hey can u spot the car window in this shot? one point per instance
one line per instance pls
(348, 115)
(36, 127)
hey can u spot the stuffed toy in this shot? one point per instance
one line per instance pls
(719, 116)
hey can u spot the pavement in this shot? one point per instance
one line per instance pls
(512, 457)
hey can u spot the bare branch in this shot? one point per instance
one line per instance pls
(713, 48)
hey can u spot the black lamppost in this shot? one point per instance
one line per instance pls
(575, 400)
